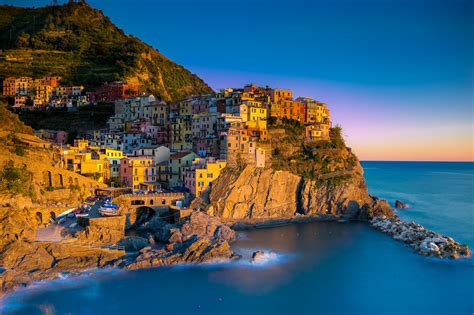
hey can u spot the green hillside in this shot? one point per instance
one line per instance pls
(82, 45)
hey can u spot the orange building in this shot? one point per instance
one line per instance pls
(52, 81)
(13, 86)
(291, 109)
(9, 86)
(279, 94)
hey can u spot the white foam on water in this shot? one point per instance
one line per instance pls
(13, 301)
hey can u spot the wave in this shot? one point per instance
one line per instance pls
(13, 301)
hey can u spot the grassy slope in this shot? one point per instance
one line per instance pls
(85, 47)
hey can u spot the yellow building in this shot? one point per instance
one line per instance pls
(317, 131)
(200, 176)
(84, 164)
(43, 94)
(115, 158)
(100, 169)
(81, 143)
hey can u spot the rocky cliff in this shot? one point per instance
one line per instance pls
(304, 178)
(257, 193)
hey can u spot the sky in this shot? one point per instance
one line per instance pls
(398, 75)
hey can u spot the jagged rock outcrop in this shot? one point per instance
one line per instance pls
(199, 238)
(194, 250)
(25, 262)
(267, 193)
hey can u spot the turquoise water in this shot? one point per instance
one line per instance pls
(317, 268)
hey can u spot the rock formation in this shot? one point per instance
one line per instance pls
(199, 238)
(401, 205)
(423, 241)
(25, 262)
(257, 193)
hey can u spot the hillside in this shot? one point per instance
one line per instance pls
(83, 46)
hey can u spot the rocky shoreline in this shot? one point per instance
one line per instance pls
(197, 239)
(422, 240)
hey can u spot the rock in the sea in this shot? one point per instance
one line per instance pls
(257, 256)
(423, 241)
(401, 205)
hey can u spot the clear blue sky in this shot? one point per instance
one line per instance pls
(397, 74)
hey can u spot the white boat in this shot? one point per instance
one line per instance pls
(107, 212)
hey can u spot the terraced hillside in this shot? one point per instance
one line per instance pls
(83, 46)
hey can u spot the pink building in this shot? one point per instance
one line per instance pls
(137, 170)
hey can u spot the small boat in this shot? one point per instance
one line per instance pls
(108, 205)
(82, 215)
(108, 212)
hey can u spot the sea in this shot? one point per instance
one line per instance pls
(312, 268)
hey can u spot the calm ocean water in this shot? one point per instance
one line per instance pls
(317, 268)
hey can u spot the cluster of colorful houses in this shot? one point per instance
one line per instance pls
(153, 145)
(47, 92)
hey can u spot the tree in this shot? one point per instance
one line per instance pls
(336, 136)
(23, 40)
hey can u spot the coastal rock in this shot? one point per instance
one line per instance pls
(257, 256)
(423, 241)
(401, 205)
(194, 250)
(198, 238)
(25, 262)
(200, 224)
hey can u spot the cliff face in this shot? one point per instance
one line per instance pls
(83, 46)
(321, 178)
(265, 193)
